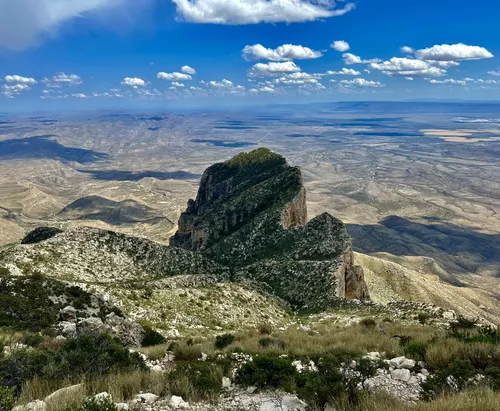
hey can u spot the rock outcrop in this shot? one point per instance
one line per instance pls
(250, 215)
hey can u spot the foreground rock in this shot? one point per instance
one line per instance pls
(250, 215)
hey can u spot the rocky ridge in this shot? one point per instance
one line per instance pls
(250, 215)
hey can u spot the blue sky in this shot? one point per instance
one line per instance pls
(165, 53)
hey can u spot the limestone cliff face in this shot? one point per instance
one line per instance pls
(250, 215)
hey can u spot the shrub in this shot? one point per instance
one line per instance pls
(32, 340)
(416, 350)
(266, 342)
(95, 404)
(368, 322)
(267, 372)
(6, 398)
(423, 317)
(224, 340)
(265, 328)
(456, 377)
(330, 386)
(152, 337)
(85, 356)
(196, 381)
(186, 352)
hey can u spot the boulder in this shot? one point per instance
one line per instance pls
(408, 364)
(226, 382)
(396, 362)
(68, 314)
(146, 398)
(178, 403)
(401, 375)
(128, 332)
(65, 392)
(67, 329)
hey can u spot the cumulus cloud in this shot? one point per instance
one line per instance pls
(24, 22)
(133, 82)
(353, 59)
(63, 79)
(175, 76)
(188, 70)
(494, 73)
(405, 67)
(258, 11)
(453, 52)
(344, 72)
(340, 45)
(449, 81)
(407, 50)
(14, 78)
(273, 69)
(10, 91)
(359, 82)
(298, 78)
(79, 95)
(221, 84)
(284, 52)
(177, 84)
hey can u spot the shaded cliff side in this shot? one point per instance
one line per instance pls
(250, 215)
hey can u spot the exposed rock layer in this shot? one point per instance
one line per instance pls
(250, 214)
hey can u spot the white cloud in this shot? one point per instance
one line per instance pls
(443, 64)
(188, 70)
(133, 82)
(407, 50)
(273, 69)
(344, 72)
(494, 73)
(257, 11)
(340, 45)
(405, 67)
(453, 52)
(298, 79)
(353, 59)
(284, 52)
(449, 81)
(360, 82)
(79, 95)
(14, 90)
(176, 76)
(221, 84)
(63, 79)
(400, 64)
(177, 84)
(24, 23)
(409, 78)
(14, 78)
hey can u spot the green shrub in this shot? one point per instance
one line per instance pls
(95, 404)
(267, 372)
(85, 356)
(224, 340)
(456, 377)
(152, 337)
(423, 317)
(329, 386)
(200, 381)
(416, 350)
(186, 352)
(368, 322)
(266, 342)
(6, 398)
(32, 340)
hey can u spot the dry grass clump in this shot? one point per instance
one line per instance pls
(326, 338)
(474, 400)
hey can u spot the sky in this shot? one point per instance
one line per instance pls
(63, 54)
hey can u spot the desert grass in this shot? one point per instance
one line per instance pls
(475, 400)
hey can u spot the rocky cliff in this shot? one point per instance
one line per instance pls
(250, 215)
